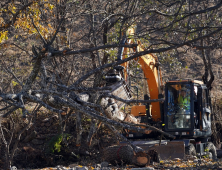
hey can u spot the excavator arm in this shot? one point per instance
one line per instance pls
(152, 73)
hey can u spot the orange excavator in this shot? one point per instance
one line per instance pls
(185, 112)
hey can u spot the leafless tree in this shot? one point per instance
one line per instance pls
(66, 69)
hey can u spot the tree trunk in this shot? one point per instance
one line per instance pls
(78, 128)
(79, 98)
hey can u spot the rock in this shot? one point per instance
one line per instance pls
(37, 142)
(188, 161)
(59, 167)
(176, 159)
(191, 157)
(97, 166)
(204, 161)
(81, 168)
(13, 168)
(145, 168)
(196, 161)
(73, 165)
(104, 164)
(174, 166)
(45, 120)
(104, 168)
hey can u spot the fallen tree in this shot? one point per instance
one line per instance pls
(68, 46)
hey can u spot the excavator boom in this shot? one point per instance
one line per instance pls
(152, 73)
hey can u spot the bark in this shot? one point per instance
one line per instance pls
(97, 80)
(215, 127)
(92, 131)
(207, 64)
(209, 82)
(82, 97)
(120, 155)
(78, 128)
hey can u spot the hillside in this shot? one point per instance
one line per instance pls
(56, 54)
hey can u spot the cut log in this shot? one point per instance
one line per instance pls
(119, 155)
(140, 161)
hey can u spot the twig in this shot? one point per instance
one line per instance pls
(4, 66)
(133, 101)
(9, 112)
(42, 103)
(44, 41)
(57, 30)
(58, 53)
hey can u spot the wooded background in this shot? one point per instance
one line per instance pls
(55, 53)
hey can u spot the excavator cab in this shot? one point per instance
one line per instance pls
(179, 106)
(187, 109)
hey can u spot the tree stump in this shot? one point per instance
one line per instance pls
(121, 155)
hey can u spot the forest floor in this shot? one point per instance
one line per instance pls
(204, 164)
(45, 151)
